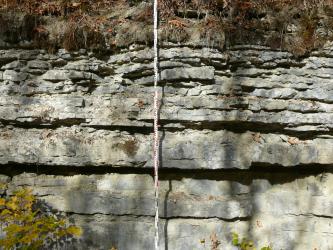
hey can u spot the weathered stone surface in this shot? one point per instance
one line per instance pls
(39, 64)
(175, 111)
(298, 210)
(181, 74)
(190, 149)
(3, 183)
(290, 232)
(132, 194)
(182, 233)
(14, 76)
(63, 75)
(203, 198)
(245, 137)
(14, 65)
(194, 93)
(11, 55)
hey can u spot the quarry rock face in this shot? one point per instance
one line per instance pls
(246, 144)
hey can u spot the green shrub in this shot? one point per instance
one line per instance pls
(27, 226)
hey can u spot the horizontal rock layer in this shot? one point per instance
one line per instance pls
(109, 207)
(188, 149)
(203, 90)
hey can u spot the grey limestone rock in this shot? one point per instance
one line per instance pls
(14, 76)
(284, 216)
(39, 64)
(246, 144)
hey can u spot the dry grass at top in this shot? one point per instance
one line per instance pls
(299, 26)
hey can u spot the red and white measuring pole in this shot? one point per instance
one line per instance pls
(156, 134)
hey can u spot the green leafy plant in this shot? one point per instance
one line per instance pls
(27, 226)
(246, 244)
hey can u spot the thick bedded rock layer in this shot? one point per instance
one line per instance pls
(287, 215)
(245, 135)
(188, 149)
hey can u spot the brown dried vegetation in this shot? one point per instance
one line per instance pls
(298, 26)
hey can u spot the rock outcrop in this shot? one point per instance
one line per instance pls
(246, 144)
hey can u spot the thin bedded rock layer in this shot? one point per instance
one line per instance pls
(279, 109)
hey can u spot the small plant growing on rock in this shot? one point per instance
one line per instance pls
(26, 226)
(245, 244)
